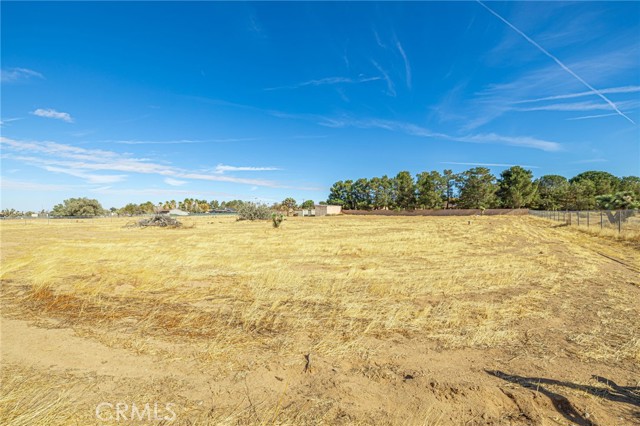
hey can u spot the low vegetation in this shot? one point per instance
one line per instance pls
(163, 221)
(277, 219)
(254, 211)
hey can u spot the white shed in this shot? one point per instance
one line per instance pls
(326, 210)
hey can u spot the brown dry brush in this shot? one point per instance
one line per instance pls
(163, 221)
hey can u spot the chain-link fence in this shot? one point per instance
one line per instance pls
(618, 220)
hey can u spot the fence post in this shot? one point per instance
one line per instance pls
(578, 216)
(619, 221)
(600, 219)
(588, 218)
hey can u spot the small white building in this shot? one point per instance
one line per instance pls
(327, 210)
(306, 212)
(178, 212)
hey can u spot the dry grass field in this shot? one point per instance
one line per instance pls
(405, 320)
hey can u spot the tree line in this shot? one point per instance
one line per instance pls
(478, 188)
(91, 207)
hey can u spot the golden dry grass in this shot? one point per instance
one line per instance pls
(232, 297)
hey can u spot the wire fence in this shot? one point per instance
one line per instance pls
(103, 219)
(618, 220)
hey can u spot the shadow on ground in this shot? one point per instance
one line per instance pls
(609, 391)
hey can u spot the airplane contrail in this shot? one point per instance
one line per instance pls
(563, 66)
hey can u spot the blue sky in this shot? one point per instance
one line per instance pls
(129, 102)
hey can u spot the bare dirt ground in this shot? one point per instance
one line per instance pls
(417, 320)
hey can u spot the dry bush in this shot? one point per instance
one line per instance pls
(160, 220)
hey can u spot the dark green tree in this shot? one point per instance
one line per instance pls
(148, 207)
(582, 195)
(431, 189)
(405, 190)
(553, 192)
(361, 194)
(631, 184)
(450, 179)
(516, 188)
(340, 194)
(603, 182)
(78, 207)
(382, 193)
(477, 188)
(308, 204)
(130, 209)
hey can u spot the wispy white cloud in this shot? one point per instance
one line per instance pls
(165, 193)
(11, 75)
(550, 81)
(255, 27)
(81, 133)
(136, 142)
(327, 81)
(179, 141)
(345, 58)
(230, 179)
(560, 63)
(415, 130)
(5, 121)
(378, 40)
(407, 67)
(174, 182)
(88, 177)
(17, 185)
(488, 164)
(521, 141)
(589, 161)
(52, 113)
(586, 117)
(309, 136)
(579, 106)
(624, 89)
(81, 160)
(221, 168)
(391, 88)
(575, 106)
